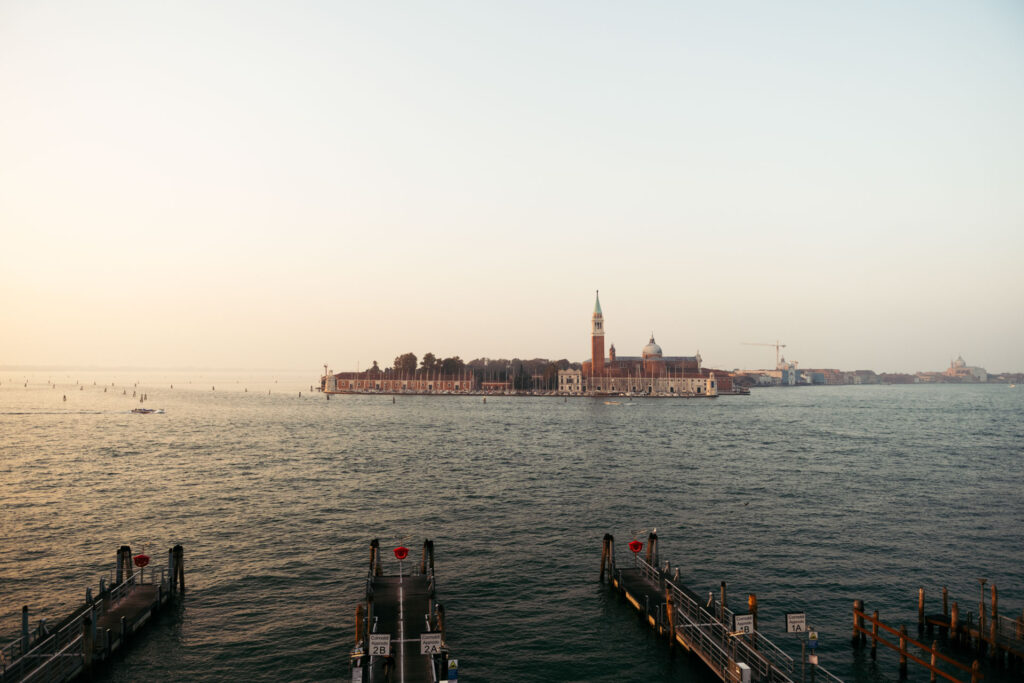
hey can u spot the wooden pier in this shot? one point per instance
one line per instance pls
(95, 630)
(732, 649)
(400, 631)
(989, 634)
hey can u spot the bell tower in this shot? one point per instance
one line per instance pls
(597, 338)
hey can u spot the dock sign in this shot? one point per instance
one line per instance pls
(357, 674)
(796, 622)
(430, 643)
(380, 644)
(812, 639)
(743, 623)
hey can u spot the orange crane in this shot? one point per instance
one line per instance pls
(777, 346)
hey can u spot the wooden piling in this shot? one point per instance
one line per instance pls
(24, 629)
(954, 623)
(903, 652)
(920, 611)
(752, 608)
(440, 621)
(87, 643)
(670, 617)
(721, 608)
(874, 636)
(359, 624)
(375, 557)
(652, 542)
(858, 606)
(935, 646)
(179, 567)
(975, 672)
(604, 555)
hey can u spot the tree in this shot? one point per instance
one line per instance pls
(451, 366)
(405, 365)
(428, 363)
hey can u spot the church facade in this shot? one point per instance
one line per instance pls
(652, 373)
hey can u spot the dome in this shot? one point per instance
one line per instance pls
(651, 350)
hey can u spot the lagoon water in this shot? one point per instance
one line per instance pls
(808, 497)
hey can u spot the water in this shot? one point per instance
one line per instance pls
(807, 497)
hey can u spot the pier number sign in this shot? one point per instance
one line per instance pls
(796, 622)
(743, 623)
(430, 643)
(380, 644)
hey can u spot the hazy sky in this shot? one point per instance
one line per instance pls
(279, 185)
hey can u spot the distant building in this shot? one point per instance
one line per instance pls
(962, 372)
(650, 373)
(376, 380)
(570, 382)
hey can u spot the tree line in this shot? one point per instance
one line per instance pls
(525, 375)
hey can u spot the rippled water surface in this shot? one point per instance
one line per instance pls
(808, 497)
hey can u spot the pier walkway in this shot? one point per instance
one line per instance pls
(401, 639)
(734, 652)
(95, 630)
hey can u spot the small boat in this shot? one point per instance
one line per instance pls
(143, 411)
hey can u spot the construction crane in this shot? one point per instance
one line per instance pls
(777, 346)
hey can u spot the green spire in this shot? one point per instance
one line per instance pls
(597, 303)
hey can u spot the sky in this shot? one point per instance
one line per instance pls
(281, 185)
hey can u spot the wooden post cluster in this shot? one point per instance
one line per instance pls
(858, 636)
(920, 611)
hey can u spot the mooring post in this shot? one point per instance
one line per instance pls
(721, 608)
(975, 671)
(604, 555)
(179, 566)
(858, 606)
(170, 568)
(423, 560)
(124, 631)
(87, 643)
(119, 576)
(430, 555)
(375, 557)
(88, 594)
(943, 631)
(954, 623)
(874, 635)
(440, 621)
(652, 538)
(935, 647)
(359, 624)
(670, 614)
(126, 551)
(995, 623)
(24, 629)
(903, 652)
(920, 611)
(752, 608)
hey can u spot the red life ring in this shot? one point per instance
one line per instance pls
(636, 546)
(401, 552)
(141, 561)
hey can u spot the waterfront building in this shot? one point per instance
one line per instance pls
(650, 373)
(376, 380)
(570, 382)
(960, 371)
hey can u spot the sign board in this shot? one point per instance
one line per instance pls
(357, 674)
(453, 664)
(743, 623)
(812, 639)
(380, 644)
(430, 643)
(796, 622)
(812, 659)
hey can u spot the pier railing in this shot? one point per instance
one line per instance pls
(54, 656)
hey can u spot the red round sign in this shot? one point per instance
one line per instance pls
(401, 552)
(141, 560)
(636, 546)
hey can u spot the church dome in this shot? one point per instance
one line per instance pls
(652, 350)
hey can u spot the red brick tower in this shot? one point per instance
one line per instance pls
(597, 338)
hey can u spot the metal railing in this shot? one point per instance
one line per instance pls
(706, 632)
(53, 656)
(1010, 629)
